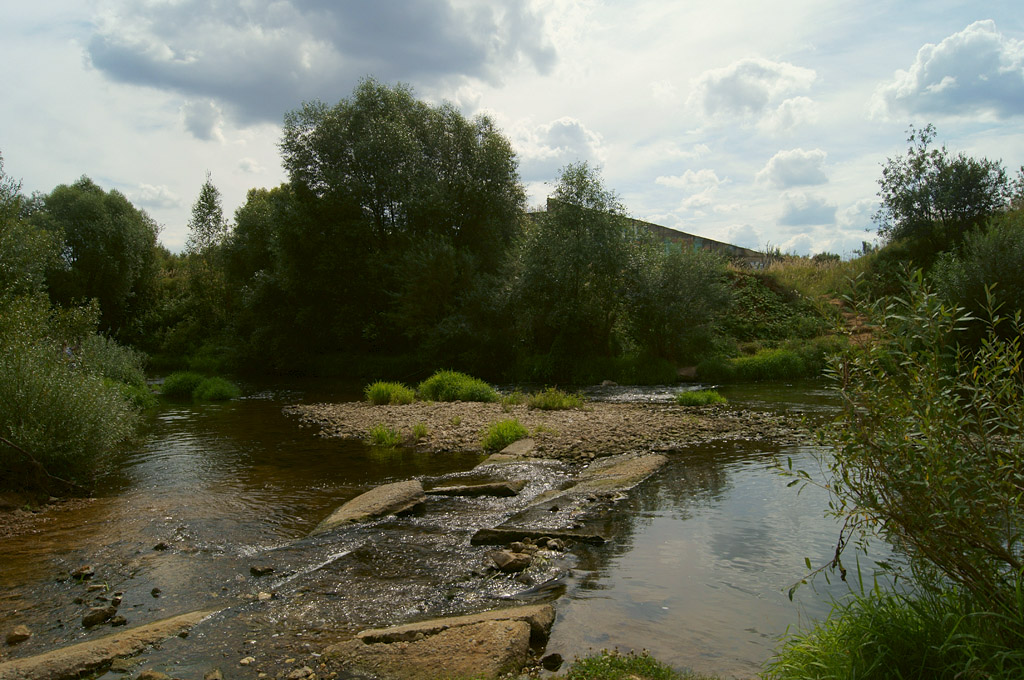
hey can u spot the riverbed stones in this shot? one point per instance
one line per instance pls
(390, 499)
(485, 645)
(81, 658)
(503, 489)
(98, 615)
(17, 635)
(510, 562)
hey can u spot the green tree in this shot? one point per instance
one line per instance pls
(571, 267)
(107, 252)
(674, 300)
(931, 198)
(207, 227)
(26, 251)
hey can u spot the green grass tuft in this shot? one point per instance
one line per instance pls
(553, 399)
(181, 385)
(501, 434)
(382, 435)
(216, 389)
(419, 431)
(455, 386)
(699, 398)
(612, 665)
(382, 392)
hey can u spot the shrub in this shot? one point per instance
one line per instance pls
(515, 398)
(501, 434)
(699, 398)
(139, 396)
(215, 389)
(111, 360)
(181, 385)
(455, 386)
(766, 364)
(382, 435)
(382, 392)
(553, 399)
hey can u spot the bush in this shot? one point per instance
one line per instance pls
(455, 386)
(56, 411)
(181, 385)
(766, 364)
(501, 434)
(382, 435)
(553, 399)
(382, 392)
(216, 389)
(699, 398)
(928, 448)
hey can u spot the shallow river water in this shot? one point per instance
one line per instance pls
(698, 573)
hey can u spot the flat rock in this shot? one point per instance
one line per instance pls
(18, 634)
(488, 649)
(511, 562)
(81, 658)
(619, 473)
(499, 489)
(505, 535)
(389, 499)
(539, 616)
(98, 615)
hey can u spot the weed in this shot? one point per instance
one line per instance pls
(612, 665)
(382, 435)
(419, 431)
(216, 389)
(381, 392)
(455, 386)
(501, 434)
(181, 385)
(553, 399)
(699, 398)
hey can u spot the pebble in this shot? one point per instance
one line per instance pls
(215, 674)
(247, 661)
(98, 615)
(18, 634)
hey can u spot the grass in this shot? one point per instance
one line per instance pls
(553, 399)
(419, 431)
(455, 386)
(192, 385)
(765, 364)
(216, 389)
(894, 635)
(699, 398)
(382, 392)
(501, 434)
(612, 665)
(382, 435)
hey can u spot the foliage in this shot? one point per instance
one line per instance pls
(612, 665)
(554, 399)
(928, 450)
(626, 370)
(816, 278)
(674, 300)
(766, 364)
(455, 386)
(60, 417)
(382, 392)
(107, 251)
(181, 384)
(207, 227)
(881, 635)
(419, 431)
(991, 261)
(568, 271)
(699, 398)
(765, 309)
(216, 389)
(932, 198)
(501, 434)
(103, 356)
(382, 435)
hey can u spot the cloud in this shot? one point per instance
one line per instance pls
(544, 149)
(746, 236)
(149, 196)
(790, 114)
(260, 58)
(793, 168)
(800, 210)
(203, 119)
(748, 87)
(701, 178)
(699, 200)
(978, 70)
(250, 166)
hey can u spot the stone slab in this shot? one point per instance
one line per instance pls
(388, 499)
(498, 489)
(539, 616)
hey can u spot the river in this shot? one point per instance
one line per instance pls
(698, 574)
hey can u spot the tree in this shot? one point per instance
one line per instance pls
(207, 227)
(107, 251)
(674, 299)
(932, 198)
(571, 267)
(26, 251)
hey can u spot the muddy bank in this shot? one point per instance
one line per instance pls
(600, 429)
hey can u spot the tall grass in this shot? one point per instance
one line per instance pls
(699, 398)
(382, 392)
(382, 435)
(612, 665)
(501, 434)
(455, 386)
(554, 399)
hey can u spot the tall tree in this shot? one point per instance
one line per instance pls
(207, 227)
(107, 251)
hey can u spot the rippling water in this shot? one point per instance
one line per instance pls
(705, 550)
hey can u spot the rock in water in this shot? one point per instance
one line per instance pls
(510, 562)
(98, 615)
(389, 499)
(18, 634)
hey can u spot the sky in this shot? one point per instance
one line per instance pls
(763, 124)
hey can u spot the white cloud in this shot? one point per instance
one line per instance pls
(978, 70)
(795, 167)
(250, 166)
(748, 87)
(546, 148)
(800, 210)
(699, 200)
(149, 196)
(746, 236)
(701, 178)
(791, 114)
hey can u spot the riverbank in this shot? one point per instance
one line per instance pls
(597, 430)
